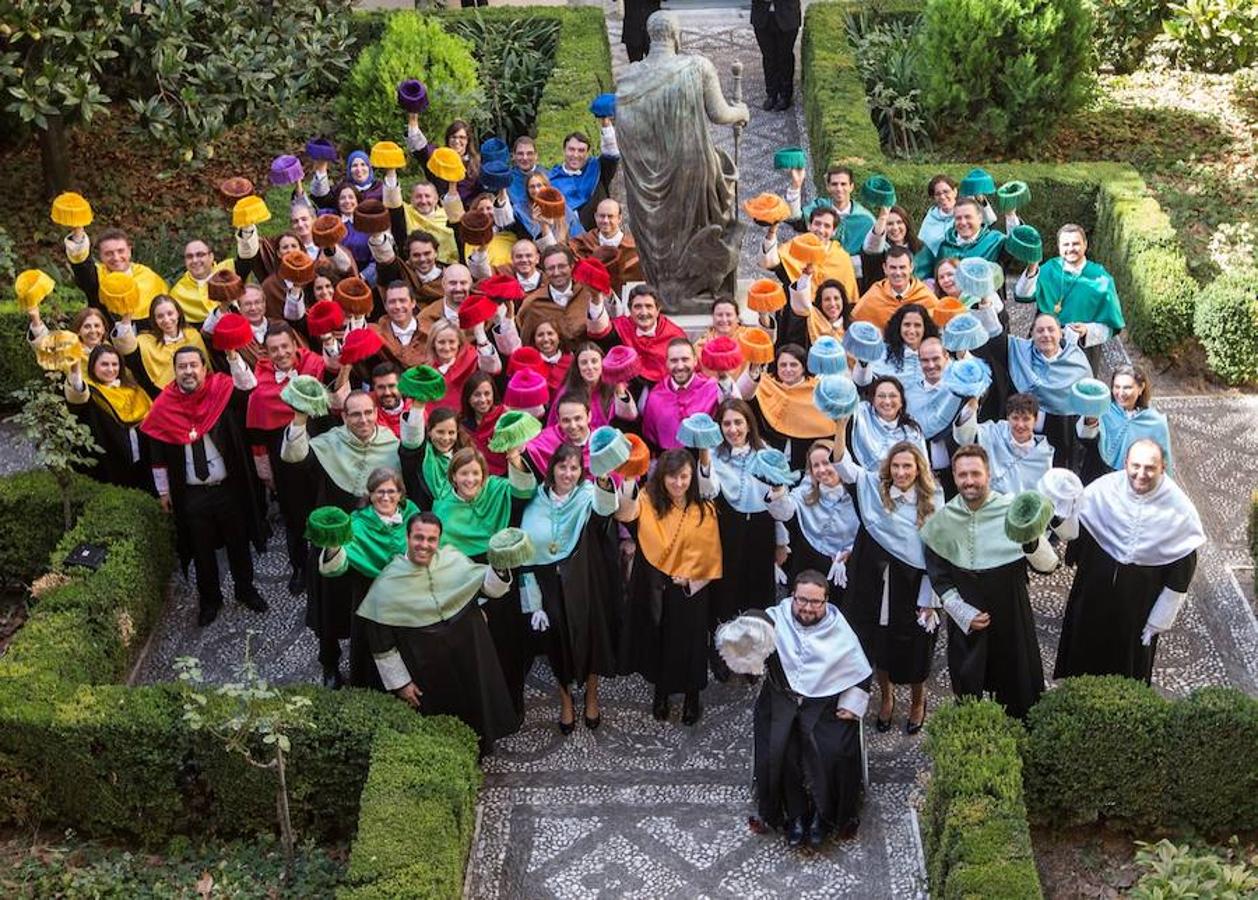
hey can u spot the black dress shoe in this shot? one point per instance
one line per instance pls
(659, 708)
(911, 727)
(253, 600)
(817, 832)
(332, 679)
(297, 583)
(769, 103)
(566, 728)
(883, 725)
(795, 832)
(592, 722)
(849, 828)
(720, 671)
(208, 614)
(783, 104)
(692, 709)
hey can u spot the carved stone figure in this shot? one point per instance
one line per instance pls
(680, 187)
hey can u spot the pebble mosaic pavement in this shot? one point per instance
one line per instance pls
(641, 808)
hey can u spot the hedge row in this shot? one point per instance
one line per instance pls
(111, 761)
(1130, 233)
(978, 843)
(1112, 748)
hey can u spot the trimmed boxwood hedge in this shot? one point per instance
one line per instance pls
(111, 761)
(1129, 232)
(978, 843)
(1112, 748)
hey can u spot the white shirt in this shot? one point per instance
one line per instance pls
(218, 469)
(561, 298)
(404, 335)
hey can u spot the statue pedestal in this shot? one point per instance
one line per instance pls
(696, 323)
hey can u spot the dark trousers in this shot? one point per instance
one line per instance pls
(213, 520)
(777, 54)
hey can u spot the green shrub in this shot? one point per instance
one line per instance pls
(412, 46)
(30, 523)
(888, 53)
(1213, 785)
(1098, 749)
(514, 59)
(1001, 71)
(1226, 323)
(977, 840)
(1124, 30)
(1214, 35)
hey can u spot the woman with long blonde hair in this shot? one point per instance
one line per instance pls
(889, 598)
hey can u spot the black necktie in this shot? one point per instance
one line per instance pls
(200, 462)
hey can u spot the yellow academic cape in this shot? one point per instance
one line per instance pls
(836, 265)
(193, 296)
(879, 304)
(439, 227)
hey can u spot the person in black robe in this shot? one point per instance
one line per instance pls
(634, 34)
(112, 405)
(429, 640)
(334, 467)
(980, 574)
(678, 556)
(204, 476)
(807, 766)
(581, 595)
(1136, 552)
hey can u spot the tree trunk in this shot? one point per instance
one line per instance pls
(287, 839)
(54, 157)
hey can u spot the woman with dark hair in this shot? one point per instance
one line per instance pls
(429, 439)
(572, 585)
(889, 601)
(460, 138)
(782, 401)
(891, 229)
(89, 323)
(726, 322)
(585, 378)
(906, 329)
(379, 535)
(151, 355)
(479, 409)
(941, 191)
(555, 364)
(112, 405)
(823, 528)
(827, 313)
(477, 506)
(881, 421)
(1130, 418)
(747, 511)
(678, 557)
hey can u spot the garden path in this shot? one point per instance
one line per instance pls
(647, 809)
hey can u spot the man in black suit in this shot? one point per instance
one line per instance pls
(777, 23)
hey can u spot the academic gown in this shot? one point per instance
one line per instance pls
(583, 597)
(1108, 606)
(901, 647)
(668, 629)
(114, 464)
(799, 741)
(455, 667)
(818, 531)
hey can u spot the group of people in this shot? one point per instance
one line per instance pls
(536, 460)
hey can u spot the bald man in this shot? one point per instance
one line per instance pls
(456, 285)
(610, 232)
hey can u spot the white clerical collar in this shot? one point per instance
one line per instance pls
(572, 172)
(530, 283)
(932, 385)
(887, 426)
(553, 358)
(1022, 448)
(909, 496)
(404, 335)
(647, 334)
(740, 451)
(172, 339)
(433, 274)
(285, 375)
(561, 298)
(205, 280)
(1073, 268)
(843, 213)
(613, 241)
(675, 387)
(395, 519)
(965, 242)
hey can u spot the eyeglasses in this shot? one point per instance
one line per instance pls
(386, 492)
(804, 601)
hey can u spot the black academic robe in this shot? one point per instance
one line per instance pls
(114, 464)
(1004, 657)
(455, 666)
(331, 615)
(228, 435)
(748, 542)
(584, 599)
(1058, 429)
(1108, 607)
(806, 759)
(668, 629)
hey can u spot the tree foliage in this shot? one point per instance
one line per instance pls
(1003, 71)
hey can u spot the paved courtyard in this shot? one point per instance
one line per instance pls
(641, 808)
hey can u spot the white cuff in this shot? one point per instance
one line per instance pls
(855, 700)
(1165, 610)
(393, 673)
(961, 612)
(295, 445)
(494, 584)
(1043, 558)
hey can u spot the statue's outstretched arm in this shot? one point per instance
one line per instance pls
(719, 111)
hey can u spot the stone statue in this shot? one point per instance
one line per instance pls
(680, 187)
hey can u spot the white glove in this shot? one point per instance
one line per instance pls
(838, 572)
(778, 575)
(381, 247)
(247, 242)
(928, 618)
(540, 620)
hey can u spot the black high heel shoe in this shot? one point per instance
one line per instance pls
(592, 723)
(659, 709)
(566, 728)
